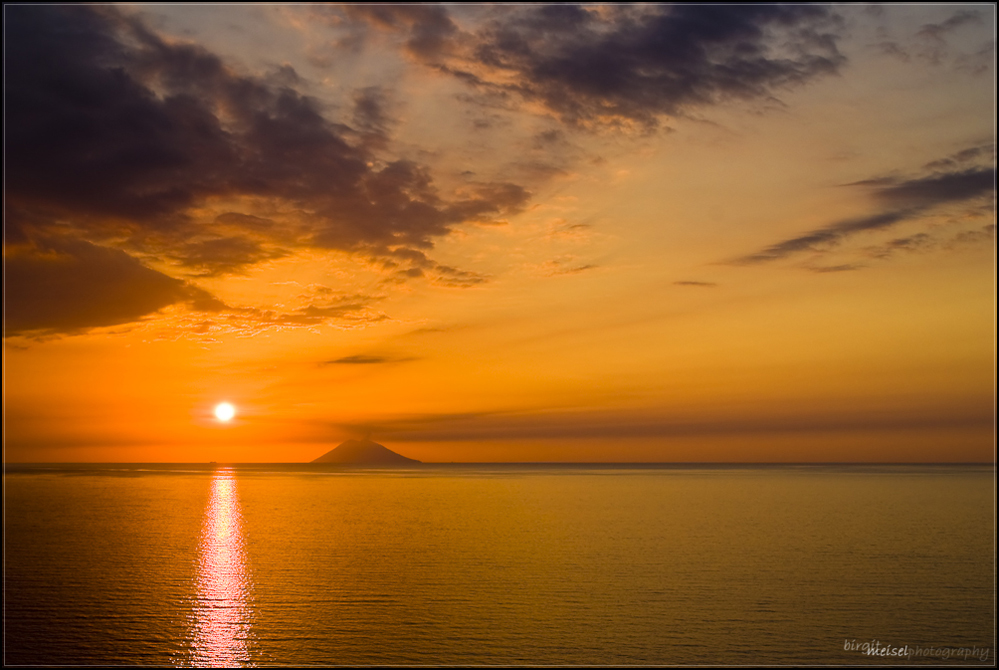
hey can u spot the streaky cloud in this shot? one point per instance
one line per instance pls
(904, 200)
(940, 188)
(825, 237)
(987, 151)
(359, 359)
(368, 359)
(844, 267)
(697, 284)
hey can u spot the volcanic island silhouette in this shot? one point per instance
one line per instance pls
(364, 452)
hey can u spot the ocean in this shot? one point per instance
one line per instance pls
(205, 565)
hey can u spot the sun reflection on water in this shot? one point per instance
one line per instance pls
(223, 610)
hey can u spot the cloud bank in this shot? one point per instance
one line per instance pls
(595, 65)
(118, 138)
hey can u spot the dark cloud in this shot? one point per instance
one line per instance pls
(70, 286)
(428, 28)
(826, 269)
(938, 188)
(984, 234)
(445, 275)
(365, 359)
(117, 135)
(370, 110)
(576, 269)
(409, 263)
(340, 310)
(318, 313)
(589, 64)
(327, 305)
(567, 265)
(901, 200)
(935, 32)
(240, 221)
(359, 359)
(700, 284)
(916, 242)
(548, 138)
(889, 48)
(221, 255)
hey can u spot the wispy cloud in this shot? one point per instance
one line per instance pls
(937, 44)
(566, 265)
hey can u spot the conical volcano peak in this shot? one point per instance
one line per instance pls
(363, 452)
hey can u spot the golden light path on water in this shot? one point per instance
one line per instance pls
(223, 609)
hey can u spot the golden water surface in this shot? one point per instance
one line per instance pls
(261, 565)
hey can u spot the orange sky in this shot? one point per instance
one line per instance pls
(535, 233)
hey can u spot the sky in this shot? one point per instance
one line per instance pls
(693, 233)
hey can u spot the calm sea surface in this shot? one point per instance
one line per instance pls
(314, 565)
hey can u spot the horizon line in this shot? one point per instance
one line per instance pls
(421, 463)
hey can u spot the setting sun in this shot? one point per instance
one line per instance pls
(224, 411)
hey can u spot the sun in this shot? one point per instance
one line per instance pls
(224, 411)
